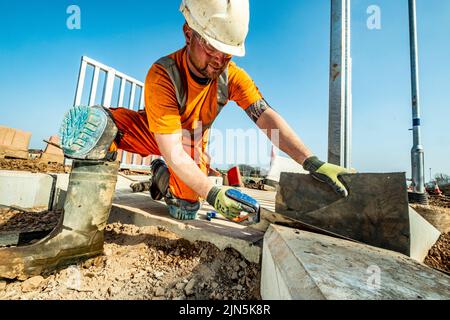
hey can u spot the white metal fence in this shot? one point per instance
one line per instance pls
(111, 83)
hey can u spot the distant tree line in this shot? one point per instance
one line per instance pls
(442, 179)
(250, 171)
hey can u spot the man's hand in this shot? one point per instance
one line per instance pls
(327, 173)
(226, 206)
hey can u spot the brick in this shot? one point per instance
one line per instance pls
(52, 153)
(14, 143)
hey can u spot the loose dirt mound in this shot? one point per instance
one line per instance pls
(440, 201)
(33, 166)
(437, 213)
(439, 255)
(146, 263)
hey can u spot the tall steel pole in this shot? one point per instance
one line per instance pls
(340, 108)
(417, 152)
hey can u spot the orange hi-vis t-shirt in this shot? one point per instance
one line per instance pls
(201, 105)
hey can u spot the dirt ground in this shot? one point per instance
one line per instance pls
(437, 213)
(19, 220)
(149, 263)
(440, 201)
(138, 263)
(33, 166)
(439, 255)
(129, 172)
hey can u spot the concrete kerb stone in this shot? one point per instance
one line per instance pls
(303, 265)
(139, 209)
(25, 190)
(423, 236)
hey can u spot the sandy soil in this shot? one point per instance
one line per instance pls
(33, 166)
(146, 263)
(439, 255)
(437, 213)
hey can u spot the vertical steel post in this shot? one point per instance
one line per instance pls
(340, 108)
(417, 151)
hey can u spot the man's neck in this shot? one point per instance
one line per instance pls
(199, 79)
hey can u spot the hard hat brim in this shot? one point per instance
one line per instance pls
(238, 51)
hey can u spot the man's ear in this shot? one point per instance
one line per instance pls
(187, 33)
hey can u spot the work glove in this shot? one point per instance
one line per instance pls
(327, 173)
(226, 206)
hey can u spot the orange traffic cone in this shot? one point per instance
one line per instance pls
(437, 191)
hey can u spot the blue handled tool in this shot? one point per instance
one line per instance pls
(249, 205)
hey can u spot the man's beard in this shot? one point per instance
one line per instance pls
(212, 75)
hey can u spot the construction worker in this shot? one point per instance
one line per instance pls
(184, 93)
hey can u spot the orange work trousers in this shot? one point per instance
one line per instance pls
(137, 138)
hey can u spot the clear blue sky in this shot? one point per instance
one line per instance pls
(287, 56)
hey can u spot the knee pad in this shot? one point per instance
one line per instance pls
(87, 133)
(182, 209)
(178, 208)
(160, 179)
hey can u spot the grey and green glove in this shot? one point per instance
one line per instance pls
(226, 206)
(327, 173)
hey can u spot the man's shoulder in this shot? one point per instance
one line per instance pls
(176, 56)
(236, 72)
(233, 67)
(158, 68)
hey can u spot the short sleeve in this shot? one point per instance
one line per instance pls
(161, 105)
(242, 88)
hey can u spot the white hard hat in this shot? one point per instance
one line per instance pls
(223, 23)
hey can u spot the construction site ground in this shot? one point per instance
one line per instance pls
(153, 263)
(138, 263)
(33, 166)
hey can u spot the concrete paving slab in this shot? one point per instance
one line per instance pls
(302, 265)
(375, 211)
(141, 210)
(423, 236)
(25, 190)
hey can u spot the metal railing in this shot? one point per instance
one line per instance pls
(128, 160)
